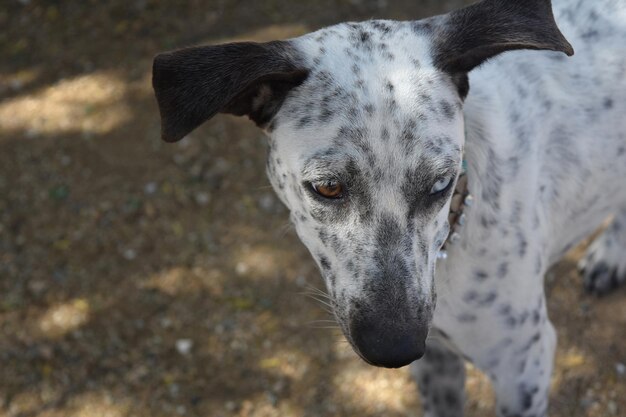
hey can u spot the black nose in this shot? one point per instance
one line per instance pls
(386, 343)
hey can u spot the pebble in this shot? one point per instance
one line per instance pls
(620, 368)
(241, 268)
(66, 160)
(202, 198)
(301, 281)
(266, 202)
(129, 254)
(183, 346)
(179, 159)
(16, 85)
(230, 406)
(587, 402)
(612, 406)
(150, 188)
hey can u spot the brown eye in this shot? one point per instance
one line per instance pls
(328, 189)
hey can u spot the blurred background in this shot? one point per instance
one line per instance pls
(145, 279)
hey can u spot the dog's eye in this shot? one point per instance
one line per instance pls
(328, 189)
(441, 186)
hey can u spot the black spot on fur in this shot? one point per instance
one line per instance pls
(480, 275)
(304, 122)
(324, 263)
(536, 317)
(503, 270)
(466, 318)
(447, 109)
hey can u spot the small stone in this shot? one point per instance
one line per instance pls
(181, 410)
(31, 133)
(272, 398)
(59, 193)
(174, 389)
(37, 287)
(241, 268)
(230, 406)
(183, 346)
(202, 198)
(585, 308)
(129, 254)
(620, 368)
(179, 159)
(66, 160)
(612, 407)
(266, 202)
(150, 188)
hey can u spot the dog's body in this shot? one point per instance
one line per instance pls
(368, 123)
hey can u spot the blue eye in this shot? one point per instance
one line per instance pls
(441, 185)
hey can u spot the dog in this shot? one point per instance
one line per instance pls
(370, 127)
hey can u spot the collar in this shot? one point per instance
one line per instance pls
(461, 198)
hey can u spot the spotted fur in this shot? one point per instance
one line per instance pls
(387, 109)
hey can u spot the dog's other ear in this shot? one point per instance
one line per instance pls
(465, 38)
(245, 78)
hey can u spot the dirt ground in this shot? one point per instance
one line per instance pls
(145, 279)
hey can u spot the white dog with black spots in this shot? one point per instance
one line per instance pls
(369, 124)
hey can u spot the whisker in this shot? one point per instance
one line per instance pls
(318, 291)
(317, 296)
(324, 327)
(321, 301)
(284, 229)
(326, 324)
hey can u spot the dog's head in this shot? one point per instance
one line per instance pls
(366, 136)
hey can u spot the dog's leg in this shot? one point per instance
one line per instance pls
(521, 376)
(440, 376)
(604, 265)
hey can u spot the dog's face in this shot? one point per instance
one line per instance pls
(365, 153)
(366, 140)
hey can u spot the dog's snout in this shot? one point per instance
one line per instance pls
(386, 343)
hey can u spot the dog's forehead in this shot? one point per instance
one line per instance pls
(379, 42)
(374, 96)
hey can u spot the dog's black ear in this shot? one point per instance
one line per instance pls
(245, 78)
(465, 38)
